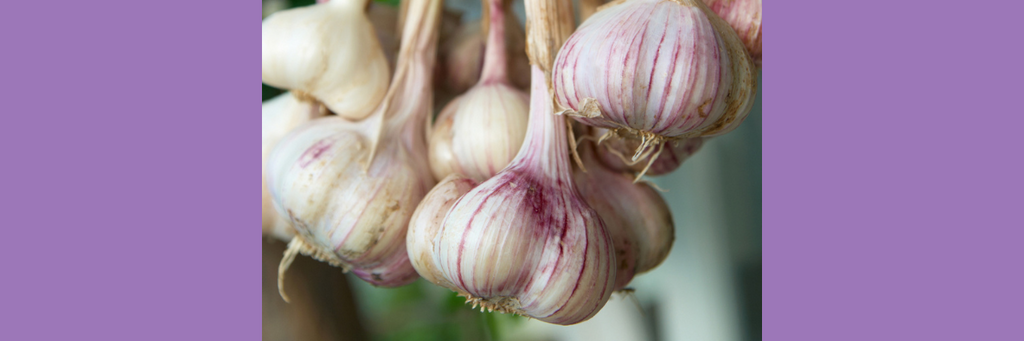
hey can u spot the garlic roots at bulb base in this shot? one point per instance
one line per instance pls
(281, 115)
(745, 17)
(655, 70)
(638, 219)
(524, 241)
(349, 188)
(615, 152)
(329, 51)
(478, 133)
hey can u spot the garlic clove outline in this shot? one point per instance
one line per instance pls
(656, 70)
(329, 51)
(281, 115)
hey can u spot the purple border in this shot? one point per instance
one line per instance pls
(128, 151)
(892, 171)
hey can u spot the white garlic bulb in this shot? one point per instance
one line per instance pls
(478, 133)
(281, 115)
(524, 241)
(329, 51)
(349, 188)
(656, 70)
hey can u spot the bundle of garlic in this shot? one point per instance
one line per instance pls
(463, 56)
(478, 133)
(281, 115)
(523, 241)
(637, 218)
(328, 51)
(655, 70)
(349, 188)
(745, 17)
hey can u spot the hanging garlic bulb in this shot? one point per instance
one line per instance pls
(614, 153)
(637, 218)
(524, 241)
(745, 17)
(348, 188)
(329, 51)
(281, 115)
(478, 133)
(462, 57)
(655, 70)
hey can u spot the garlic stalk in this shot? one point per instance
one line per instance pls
(281, 115)
(745, 17)
(462, 57)
(349, 188)
(329, 51)
(478, 133)
(524, 241)
(614, 153)
(637, 218)
(655, 70)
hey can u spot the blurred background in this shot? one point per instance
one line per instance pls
(709, 288)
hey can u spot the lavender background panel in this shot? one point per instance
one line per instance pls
(892, 171)
(128, 170)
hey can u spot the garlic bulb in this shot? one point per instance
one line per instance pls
(329, 51)
(462, 57)
(349, 188)
(745, 17)
(478, 133)
(524, 241)
(655, 70)
(662, 159)
(281, 115)
(637, 218)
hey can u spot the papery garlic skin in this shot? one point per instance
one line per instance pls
(638, 219)
(281, 115)
(329, 51)
(657, 69)
(426, 222)
(353, 211)
(525, 241)
(745, 17)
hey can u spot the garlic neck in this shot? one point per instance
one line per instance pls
(495, 64)
(545, 147)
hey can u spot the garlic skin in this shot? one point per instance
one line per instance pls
(478, 133)
(281, 115)
(524, 241)
(668, 156)
(745, 17)
(426, 222)
(350, 188)
(638, 219)
(656, 70)
(329, 51)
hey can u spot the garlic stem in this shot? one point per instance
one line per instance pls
(495, 64)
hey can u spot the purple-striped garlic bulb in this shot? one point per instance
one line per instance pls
(655, 70)
(638, 219)
(463, 55)
(614, 153)
(524, 241)
(281, 115)
(349, 188)
(328, 51)
(478, 133)
(745, 17)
